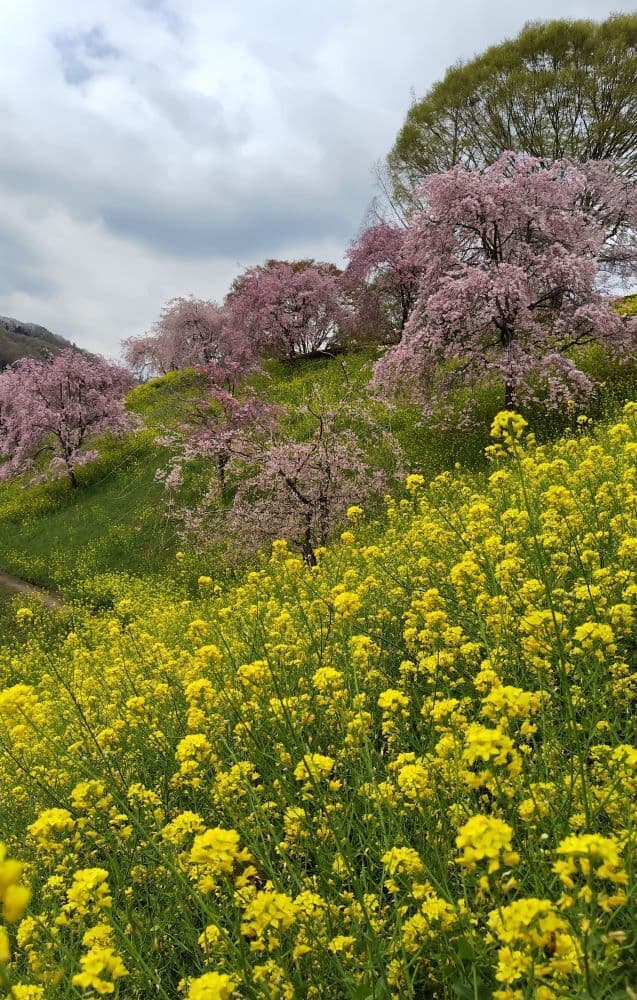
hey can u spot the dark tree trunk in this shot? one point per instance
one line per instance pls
(509, 394)
(222, 461)
(506, 339)
(324, 518)
(307, 548)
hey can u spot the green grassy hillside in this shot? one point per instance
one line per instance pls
(117, 522)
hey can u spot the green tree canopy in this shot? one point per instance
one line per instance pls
(560, 89)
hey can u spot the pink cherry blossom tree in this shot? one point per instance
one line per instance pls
(188, 333)
(383, 268)
(220, 428)
(512, 263)
(229, 419)
(611, 198)
(300, 489)
(288, 310)
(55, 406)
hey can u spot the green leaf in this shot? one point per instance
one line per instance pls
(474, 991)
(465, 949)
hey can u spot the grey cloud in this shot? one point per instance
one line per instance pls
(210, 209)
(198, 118)
(172, 20)
(83, 54)
(211, 220)
(207, 233)
(22, 268)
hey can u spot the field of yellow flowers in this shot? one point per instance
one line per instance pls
(410, 771)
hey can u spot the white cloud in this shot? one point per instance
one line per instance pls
(150, 148)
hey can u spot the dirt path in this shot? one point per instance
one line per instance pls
(22, 587)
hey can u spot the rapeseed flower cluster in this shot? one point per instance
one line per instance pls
(407, 771)
(14, 897)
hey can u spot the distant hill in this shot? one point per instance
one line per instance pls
(20, 340)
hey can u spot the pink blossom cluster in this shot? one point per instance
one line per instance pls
(220, 428)
(49, 410)
(189, 332)
(512, 262)
(383, 273)
(297, 490)
(275, 310)
(289, 310)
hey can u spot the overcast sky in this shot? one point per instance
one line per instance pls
(152, 148)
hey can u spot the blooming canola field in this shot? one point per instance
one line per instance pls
(407, 771)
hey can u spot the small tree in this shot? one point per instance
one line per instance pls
(288, 310)
(219, 428)
(300, 490)
(55, 406)
(228, 419)
(144, 356)
(381, 261)
(188, 333)
(511, 264)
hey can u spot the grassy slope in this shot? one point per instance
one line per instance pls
(117, 522)
(52, 536)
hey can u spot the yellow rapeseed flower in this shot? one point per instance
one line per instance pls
(486, 838)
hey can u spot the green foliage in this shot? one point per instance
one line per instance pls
(560, 89)
(53, 536)
(627, 306)
(157, 400)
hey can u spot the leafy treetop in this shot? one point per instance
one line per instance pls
(561, 89)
